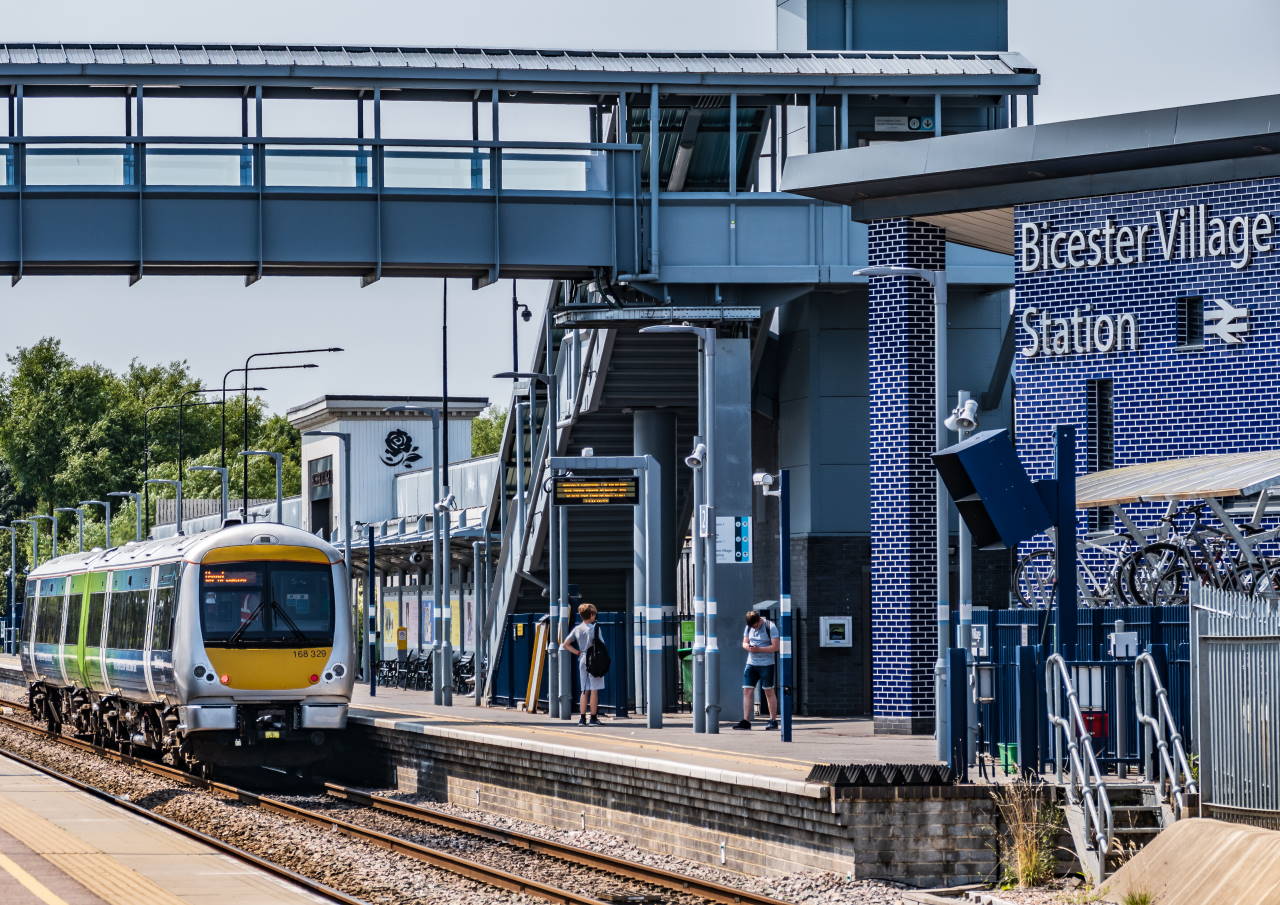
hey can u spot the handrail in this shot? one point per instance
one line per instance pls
(1085, 786)
(1174, 768)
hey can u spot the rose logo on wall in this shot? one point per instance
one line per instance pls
(400, 450)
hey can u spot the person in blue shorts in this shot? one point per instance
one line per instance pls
(760, 640)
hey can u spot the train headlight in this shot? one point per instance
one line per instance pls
(199, 671)
(339, 670)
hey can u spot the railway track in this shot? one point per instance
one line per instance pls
(654, 880)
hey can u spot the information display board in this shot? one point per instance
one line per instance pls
(622, 490)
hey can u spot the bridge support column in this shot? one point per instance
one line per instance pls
(903, 416)
(654, 432)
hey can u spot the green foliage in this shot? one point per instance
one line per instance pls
(1137, 897)
(1030, 828)
(486, 431)
(72, 431)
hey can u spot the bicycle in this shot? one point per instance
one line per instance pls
(1035, 579)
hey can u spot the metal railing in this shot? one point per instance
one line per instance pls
(1085, 786)
(1164, 755)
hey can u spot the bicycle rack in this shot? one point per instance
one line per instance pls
(1164, 756)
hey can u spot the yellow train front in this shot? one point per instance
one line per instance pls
(232, 647)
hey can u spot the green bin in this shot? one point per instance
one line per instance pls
(686, 674)
(1008, 753)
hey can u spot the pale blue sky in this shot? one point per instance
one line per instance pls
(1095, 57)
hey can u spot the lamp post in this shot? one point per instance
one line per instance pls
(79, 514)
(706, 644)
(559, 703)
(12, 577)
(137, 511)
(245, 407)
(177, 493)
(35, 541)
(518, 311)
(53, 529)
(963, 420)
(222, 473)
(222, 461)
(937, 279)
(782, 491)
(438, 674)
(106, 508)
(279, 460)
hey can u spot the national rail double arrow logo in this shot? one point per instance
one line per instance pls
(1226, 321)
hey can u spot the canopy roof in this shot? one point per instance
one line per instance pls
(1234, 474)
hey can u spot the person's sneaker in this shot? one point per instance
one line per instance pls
(772, 724)
(595, 720)
(742, 724)
(582, 720)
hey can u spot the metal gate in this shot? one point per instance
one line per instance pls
(1236, 677)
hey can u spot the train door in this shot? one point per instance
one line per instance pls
(126, 629)
(27, 647)
(73, 633)
(95, 625)
(160, 651)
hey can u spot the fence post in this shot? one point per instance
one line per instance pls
(1027, 700)
(958, 703)
(1160, 654)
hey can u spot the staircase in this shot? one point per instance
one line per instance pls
(1138, 815)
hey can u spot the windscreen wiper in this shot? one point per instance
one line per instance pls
(293, 626)
(235, 636)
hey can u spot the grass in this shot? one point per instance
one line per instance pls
(1029, 841)
(1137, 897)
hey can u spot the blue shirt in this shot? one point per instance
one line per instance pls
(760, 636)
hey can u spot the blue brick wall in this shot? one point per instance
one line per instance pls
(902, 419)
(1169, 402)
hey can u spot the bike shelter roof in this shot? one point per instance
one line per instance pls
(1200, 477)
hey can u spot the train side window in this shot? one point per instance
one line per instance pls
(162, 633)
(49, 624)
(74, 606)
(93, 630)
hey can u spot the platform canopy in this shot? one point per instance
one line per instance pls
(1198, 478)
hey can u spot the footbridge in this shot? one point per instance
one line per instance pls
(653, 198)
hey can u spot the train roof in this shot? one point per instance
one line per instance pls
(191, 547)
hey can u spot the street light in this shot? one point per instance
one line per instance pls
(782, 491)
(222, 461)
(222, 473)
(938, 280)
(79, 514)
(106, 508)
(439, 676)
(279, 460)
(559, 700)
(35, 541)
(963, 420)
(245, 412)
(522, 312)
(53, 530)
(177, 502)
(137, 511)
(706, 645)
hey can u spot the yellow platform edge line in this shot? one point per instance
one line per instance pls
(30, 883)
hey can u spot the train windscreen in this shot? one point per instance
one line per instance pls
(278, 604)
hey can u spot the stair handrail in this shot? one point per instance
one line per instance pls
(1085, 787)
(1154, 712)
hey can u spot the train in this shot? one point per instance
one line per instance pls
(228, 648)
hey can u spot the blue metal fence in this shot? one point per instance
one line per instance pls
(512, 679)
(1018, 643)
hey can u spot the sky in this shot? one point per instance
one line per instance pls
(1095, 57)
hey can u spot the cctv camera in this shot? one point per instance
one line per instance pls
(762, 479)
(696, 458)
(526, 315)
(417, 558)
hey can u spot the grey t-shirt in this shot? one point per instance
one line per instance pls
(582, 636)
(760, 636)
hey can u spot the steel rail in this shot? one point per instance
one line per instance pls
(227, 848)
(490, 876)
(656, 876)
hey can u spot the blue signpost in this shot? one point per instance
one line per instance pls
(784, 601)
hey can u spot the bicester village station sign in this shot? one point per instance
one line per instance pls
(1181, 234)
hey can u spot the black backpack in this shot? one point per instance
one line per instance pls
(597, 656)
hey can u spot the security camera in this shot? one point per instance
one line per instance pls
(417, 558)
(762, 479)
(696, 458)
(964, 417)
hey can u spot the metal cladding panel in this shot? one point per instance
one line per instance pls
(992, 491)
(185, 229)
(60, 228)
(372, 478)
(534, 232)
(438, 229)
(319, 230)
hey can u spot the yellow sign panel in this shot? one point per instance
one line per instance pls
(610, 491)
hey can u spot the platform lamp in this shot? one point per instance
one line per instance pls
(964, 420)
(35, 541)
(11, 584)
(222, 473)
(222, 443)
(937, 279)
(79, 514)
(177, 500)
(779, 487)
(559, 700)
(279, 462)
(106, 508)
(245, 407)
(53, 529)
(137, 511)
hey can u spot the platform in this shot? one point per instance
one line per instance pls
(748, 757)
(61, 846)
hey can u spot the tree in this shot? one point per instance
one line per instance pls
(486, 431)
